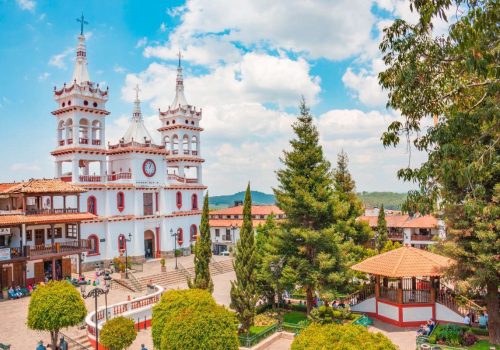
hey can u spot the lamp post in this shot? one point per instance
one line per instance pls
(124, 240)
(174, 234)
(94, 293)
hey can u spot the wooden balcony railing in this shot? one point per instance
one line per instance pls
(119, 176)
(96, 142)
(61, 142)
(90, 178)
(66, 178)
(367, 292)
(84, 141)
(178, 178)
(69, 247)
(69, 141)
(417, 237)
(194, 153)
(395, 235)
(36, 211)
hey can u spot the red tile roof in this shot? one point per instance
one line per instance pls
(427, 221)
(43, 186)
(15, 219)
(405, 262)
(256, 210)
(6, 186)
(233, 222)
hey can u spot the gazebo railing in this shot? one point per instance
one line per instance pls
(355, 298)
(389, 293)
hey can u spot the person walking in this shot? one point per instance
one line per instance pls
(40, 346)
(143, 347)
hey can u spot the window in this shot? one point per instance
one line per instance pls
(228, 235)
(193, 232)
(122, 242)
(58, 231)
(92, 205)
(194, 202)
(85, 103)
(71, 231)
(217, 232)
(178, 199)
(180, 236)
(148, 203)
(120, 201)
(94, 104)
(29, 235)
(93, 245)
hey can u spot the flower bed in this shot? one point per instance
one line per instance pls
(451, 337)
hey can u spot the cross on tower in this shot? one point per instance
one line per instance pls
(82, 21)
(137, 92)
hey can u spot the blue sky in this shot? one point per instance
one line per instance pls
(246, 64)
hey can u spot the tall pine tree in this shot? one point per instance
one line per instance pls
(382, 234)
(203, 254)
(306, 194)
(244, 290)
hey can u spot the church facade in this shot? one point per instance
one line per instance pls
(146, 196)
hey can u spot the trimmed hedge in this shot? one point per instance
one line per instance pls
(198, 328)
(118, 333)
(339, 337)
(174, 301)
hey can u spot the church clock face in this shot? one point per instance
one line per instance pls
(149, 168)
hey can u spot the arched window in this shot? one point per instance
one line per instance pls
(96, 132)
(180, 236)
(120, 201)
(69, 131)
(193, 232)
(92, 205)
(122, 243)
(175, 144)
(185, 144)
(166, 142)
(194, 202)
(194, 145)
(60, 130)
(83, 133)
(93, 245)
(178, 199)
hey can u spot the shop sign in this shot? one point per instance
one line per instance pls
(5, 231)
(4, 254)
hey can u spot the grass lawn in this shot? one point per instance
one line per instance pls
(481, 345)
(257, 329)
(294, 317)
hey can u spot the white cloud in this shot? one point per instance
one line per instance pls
(43, 76)
(28, 5)
(319, 29)
(59, 60)
(141, 42)
(163, 27)
(24, 167)
(364, 85)
(119, 69)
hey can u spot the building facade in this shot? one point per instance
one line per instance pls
(144, 195)
(416, 231)
(40, 231)
(225, 224)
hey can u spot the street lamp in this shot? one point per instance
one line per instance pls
(174, 234)
(107, 287)
(124, 240)
(94, 293)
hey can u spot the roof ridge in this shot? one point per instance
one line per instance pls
(396, 266)
(427, 256)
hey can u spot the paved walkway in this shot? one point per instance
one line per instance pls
(404, 338)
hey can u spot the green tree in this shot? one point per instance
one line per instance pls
(382, 233)
(305, 193)
(54, 306)
(194, 328)
(118, 333)
(349, 207)
(203, 254)
(244, 289)
(172, 302)
(455, 79)
(266, 283)
(390, 245)
(338, 337)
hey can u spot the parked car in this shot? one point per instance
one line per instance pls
(225, 253)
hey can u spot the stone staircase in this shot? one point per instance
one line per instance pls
(78, 342)
(179, 276)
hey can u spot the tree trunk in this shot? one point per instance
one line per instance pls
(53, 339)
(309, 299)
(493, 314)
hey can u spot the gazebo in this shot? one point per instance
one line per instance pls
(405, 288)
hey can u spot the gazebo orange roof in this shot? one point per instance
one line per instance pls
(405, 262)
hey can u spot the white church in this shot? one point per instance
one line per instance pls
(146, 196)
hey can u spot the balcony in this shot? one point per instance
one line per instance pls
(90, 178)
(417, 237)
(398, 236)
(69, 141)
(66, 178)
(61, 142)
(59, 249)
(96, 142)
(120, 176)
(14, 253)
(175, 177)
(84, 141)
(36, 211)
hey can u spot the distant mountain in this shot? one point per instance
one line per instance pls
(219, 202)
(391, 200)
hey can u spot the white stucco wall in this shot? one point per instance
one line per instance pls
(367, 305)
(388, 311)
(413, 314)
(445, 314)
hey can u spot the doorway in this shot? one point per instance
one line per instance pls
(39, 237)
(149, 244)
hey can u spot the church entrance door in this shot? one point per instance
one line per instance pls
(149, 246)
